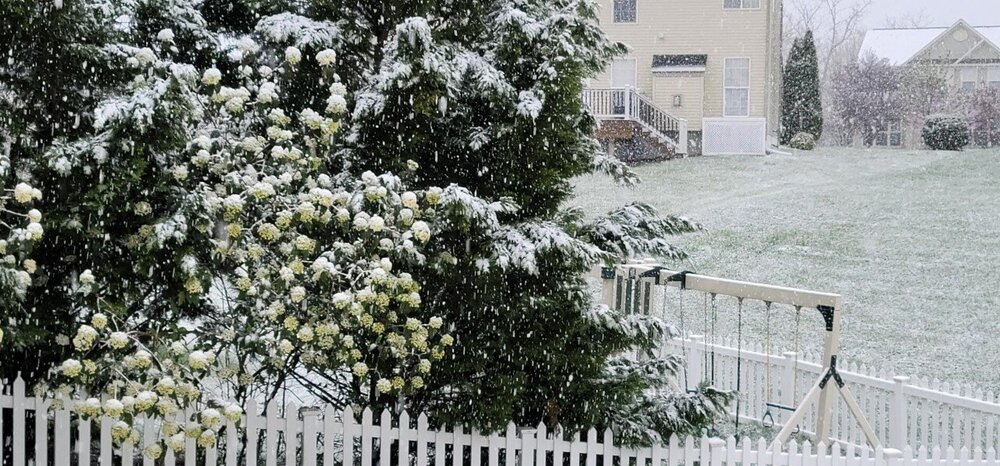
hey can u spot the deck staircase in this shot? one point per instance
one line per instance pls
(611, 105)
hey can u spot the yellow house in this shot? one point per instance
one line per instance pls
(967, 56)
(701, 76)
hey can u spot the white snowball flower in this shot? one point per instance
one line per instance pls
(165, 35)
(113, 408)
(211, 418)
(177, 442)
(326, 57)
(297, 294)
(421, 231)
(71, 368)
(383, 385)
(232, 412)
(212, 76)
(267, 93)
(34, 215)
(360, 369)
(293, 55)
(99, 321)
(409, 200)
(118, 340)
(436, 322)
(376, 223)
(87, 277)
(23, 193)
(34, 231)
(336, 104)
(198, 360)
(338, 89)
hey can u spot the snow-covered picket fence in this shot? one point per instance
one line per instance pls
(310, 436)
(902, 410)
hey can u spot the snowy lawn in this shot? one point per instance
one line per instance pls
(910, 238)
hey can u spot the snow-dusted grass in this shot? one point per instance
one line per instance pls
(910, 238)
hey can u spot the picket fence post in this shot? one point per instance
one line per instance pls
(898, 421)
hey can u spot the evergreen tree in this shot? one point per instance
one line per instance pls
(801, 104)
(491, 100)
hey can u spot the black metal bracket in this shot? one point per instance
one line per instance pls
(827, 312)
(654, 273)
(832, 373)
(608, 273)
(680, 277)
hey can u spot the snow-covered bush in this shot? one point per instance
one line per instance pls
(803, 141)
(945, 132)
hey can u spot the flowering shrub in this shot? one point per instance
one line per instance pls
(18, 230)
(307, 264)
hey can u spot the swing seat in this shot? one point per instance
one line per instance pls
(767, 420)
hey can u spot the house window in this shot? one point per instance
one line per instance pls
(994, 77)
(737, 88)
(889, 134)
(625, 11)
(741, 4)
(970, 75)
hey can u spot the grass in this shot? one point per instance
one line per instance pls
(910, 238)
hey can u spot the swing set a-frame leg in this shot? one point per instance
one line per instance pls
(821, 393)
(789, 427)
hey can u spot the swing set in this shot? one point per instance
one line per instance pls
(630, 288)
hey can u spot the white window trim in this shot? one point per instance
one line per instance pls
(625, 22)
(635, 74)
(962, 80)
(725, 87)
(760, 4)
(889, 132)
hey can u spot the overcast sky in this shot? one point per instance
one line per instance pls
(936, 12)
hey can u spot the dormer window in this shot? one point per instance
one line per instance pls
(741, 4)
(625, 11)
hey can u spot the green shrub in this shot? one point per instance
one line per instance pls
(946, 132)
(803, 141)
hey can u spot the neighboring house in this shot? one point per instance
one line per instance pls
(700, 76)
(968, 57)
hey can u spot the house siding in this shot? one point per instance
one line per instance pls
(666, 27)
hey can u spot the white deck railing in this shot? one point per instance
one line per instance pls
(290, 435)
(625, 103)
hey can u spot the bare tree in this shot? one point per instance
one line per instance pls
(910, 20)
(837, 25)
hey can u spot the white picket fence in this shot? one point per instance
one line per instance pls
(291, 435)
(903, 411)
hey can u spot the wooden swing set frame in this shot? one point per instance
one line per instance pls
(828, 305)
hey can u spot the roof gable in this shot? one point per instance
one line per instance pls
(901, 46)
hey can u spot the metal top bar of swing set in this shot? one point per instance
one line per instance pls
(829, 304)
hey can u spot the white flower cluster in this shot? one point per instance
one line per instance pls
(16, 268)
(306, 244)
(151, 386)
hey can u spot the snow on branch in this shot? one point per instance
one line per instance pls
(300, 31)
(615, 168)
(637, 229)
